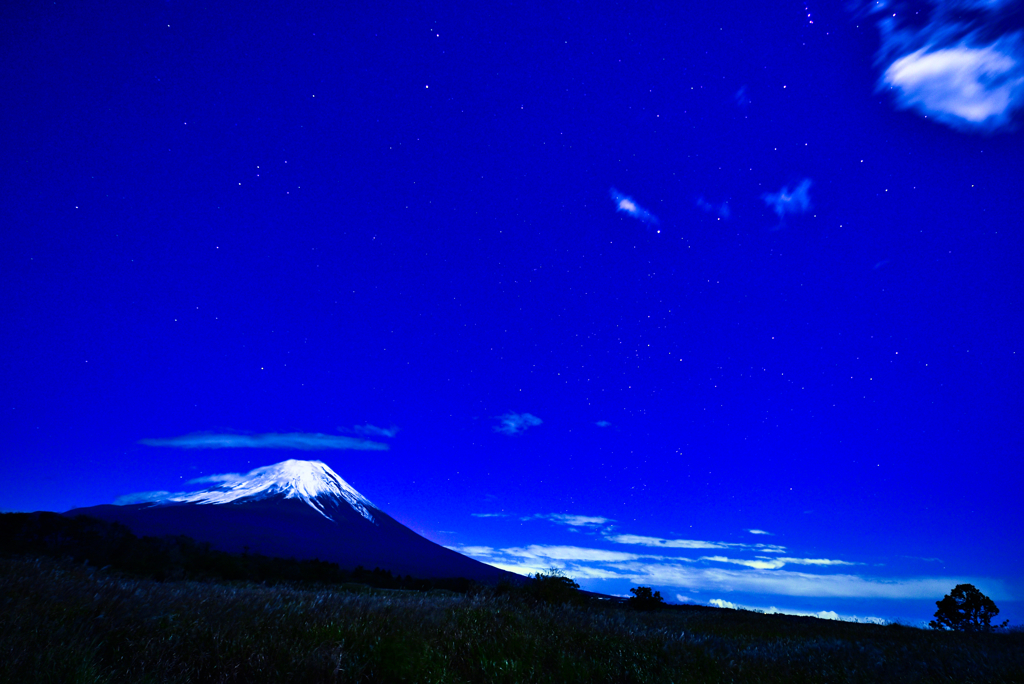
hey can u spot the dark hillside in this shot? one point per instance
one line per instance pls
(177, 557)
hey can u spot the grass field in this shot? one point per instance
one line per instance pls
(65, 622)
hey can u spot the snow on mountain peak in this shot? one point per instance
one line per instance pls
(311, 481)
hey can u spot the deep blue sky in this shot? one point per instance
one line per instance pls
(287, 218)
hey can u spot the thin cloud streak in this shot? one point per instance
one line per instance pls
(573, 553)
(372, 430)
(571, 520)
(641, 540)
(758, 576)
(141, 497)
(758, 564)
(788, 583)
(772, 610)
(220, 479)
(290, 440)
(774, 563)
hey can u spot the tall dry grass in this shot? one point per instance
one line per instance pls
(62, 622)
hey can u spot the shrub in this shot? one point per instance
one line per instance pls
(554, 587)
(644, 599)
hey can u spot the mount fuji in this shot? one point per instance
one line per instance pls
(296, 509)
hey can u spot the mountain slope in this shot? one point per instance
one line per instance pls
(297, 509)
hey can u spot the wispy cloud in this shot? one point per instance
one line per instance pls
(707, 207)
(760, 532)
(222, 478)
(603, 423)
(765, 563)
(571, 520)
(926, 560)
(957, 61)
(721, 603)
(290, 440)
(628, 205)
(516, 423)
(371, 430)
(772, 610)
(573, 553)
(489, 515)
(475, 550)
(760, 564)
(786, 201)
(822, 614)
(817, 561)
(141, 497)
(784, 582)
(695, 575)
(690, 543)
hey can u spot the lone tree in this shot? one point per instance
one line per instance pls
(554, 587)
(965, 609)
(644, 599)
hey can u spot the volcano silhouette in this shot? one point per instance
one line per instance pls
(296, 509)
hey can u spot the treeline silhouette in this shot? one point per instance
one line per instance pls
(113, 545)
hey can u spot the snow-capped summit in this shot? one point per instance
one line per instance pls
(311, 481)
(267, 511)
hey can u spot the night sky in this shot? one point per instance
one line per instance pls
(719, 298)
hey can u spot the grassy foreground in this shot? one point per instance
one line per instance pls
(64, 622)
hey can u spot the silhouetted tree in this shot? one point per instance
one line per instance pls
(554, 587)
(965, 609)
(644, 599)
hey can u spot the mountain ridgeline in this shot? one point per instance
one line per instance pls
(301, 510)
(111, 545)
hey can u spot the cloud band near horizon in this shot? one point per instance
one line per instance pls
(301, 441)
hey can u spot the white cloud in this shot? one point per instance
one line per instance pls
(516, 423)
(290, 440)
(641, 540)
(629, 206)
(574, 571)
(962, 85)
(822, 614)
(575, 553)
(764, 563)
(762, 577)
(489, 515)
(772, 610)
(960, 62)
(719, 603)
(786, 582)
(571, 520)
(760, 532)
(758, 564)
(817, 561)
